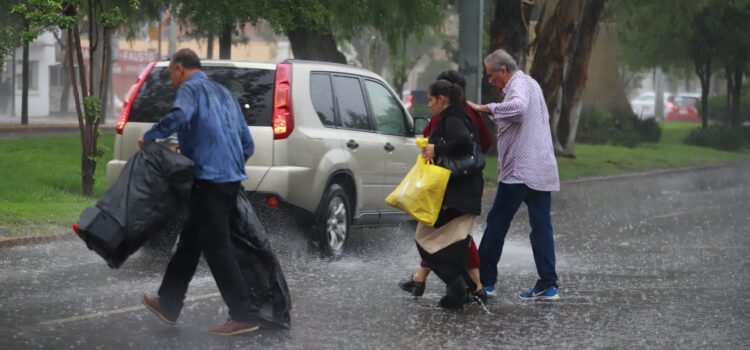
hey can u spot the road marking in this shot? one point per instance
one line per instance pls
(694, 210)
(118, 311)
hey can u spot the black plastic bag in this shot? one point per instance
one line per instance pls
(260, 268)
(153, 186)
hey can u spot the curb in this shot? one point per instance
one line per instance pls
(10, 128)
(657, 172)
(7, 242)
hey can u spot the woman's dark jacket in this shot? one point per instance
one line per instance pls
(453, 137)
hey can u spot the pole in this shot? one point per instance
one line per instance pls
(13, 84)
(158, 50)
(470, 29)
(172, 32)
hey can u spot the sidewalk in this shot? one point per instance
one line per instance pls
(50, 123)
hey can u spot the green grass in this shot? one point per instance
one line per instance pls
(40, 177)
(604, 160)
(40, 183)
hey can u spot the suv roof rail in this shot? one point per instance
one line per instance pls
(326, 63)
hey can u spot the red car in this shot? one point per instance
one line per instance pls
(682, 108)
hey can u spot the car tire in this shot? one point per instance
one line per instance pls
(333, 220)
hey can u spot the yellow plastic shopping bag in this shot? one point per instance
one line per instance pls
(420, 193)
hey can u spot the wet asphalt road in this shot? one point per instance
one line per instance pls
(658, 261)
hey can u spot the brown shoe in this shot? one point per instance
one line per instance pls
(152, 303)
(232, 327)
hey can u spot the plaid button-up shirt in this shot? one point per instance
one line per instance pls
(524, 141)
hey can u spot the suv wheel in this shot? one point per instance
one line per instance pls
(332, 221)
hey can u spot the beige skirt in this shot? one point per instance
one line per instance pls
(433, 239)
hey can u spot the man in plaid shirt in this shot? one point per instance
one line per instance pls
(527, 173)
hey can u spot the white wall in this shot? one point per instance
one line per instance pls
(42, 50)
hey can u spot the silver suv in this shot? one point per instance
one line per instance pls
(331, 140)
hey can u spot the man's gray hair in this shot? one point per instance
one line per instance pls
(500, 58)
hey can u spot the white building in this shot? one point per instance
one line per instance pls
(41, 57)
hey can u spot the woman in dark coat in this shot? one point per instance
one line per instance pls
(444, 246)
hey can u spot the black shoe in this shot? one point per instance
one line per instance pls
(479, 298)
(411, 286)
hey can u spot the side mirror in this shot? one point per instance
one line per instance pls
(419, 124)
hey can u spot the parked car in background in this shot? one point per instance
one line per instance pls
(331, 140)
(644, 105)
(683, 107)
(416, 103)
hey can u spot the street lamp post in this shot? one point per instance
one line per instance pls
(470, 29)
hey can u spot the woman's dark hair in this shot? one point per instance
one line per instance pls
(454, 77)
(187, 58)
(445, 88)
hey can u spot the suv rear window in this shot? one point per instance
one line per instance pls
(252, 87)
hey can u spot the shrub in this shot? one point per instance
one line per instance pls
(717, 108)
(717, 136)
(625, 132)
(594, 128)
(624, 129)
(746, 133)
(648, 130)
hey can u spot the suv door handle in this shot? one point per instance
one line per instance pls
(389, 147)
(352, 144)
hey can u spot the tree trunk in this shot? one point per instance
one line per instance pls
(87, 178)
(65, 81)
(739, 71)
(225, 42)
(14, 67)
(401, 69)
(576, 77)
(313, 45)
(604, 89)
(210, 48)
(509, 30)
(73, 81)
(703, 69)
(730, 89)
(553, 45)
(25, 86)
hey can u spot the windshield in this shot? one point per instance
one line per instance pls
(252, 87)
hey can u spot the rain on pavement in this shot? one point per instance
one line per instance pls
(656, 261)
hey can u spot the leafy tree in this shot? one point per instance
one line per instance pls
(220, 18)
(508, 30)
(562, 50)
(316, 29)
(734, 51)
(704, 34)
(564, 38)
(101, 17)
(400, 22)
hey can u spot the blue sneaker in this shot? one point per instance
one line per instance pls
(490, 290)
(549, 294)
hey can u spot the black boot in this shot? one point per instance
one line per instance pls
(455, 294)
(411, 286)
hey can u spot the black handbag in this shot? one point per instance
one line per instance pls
(465, 164)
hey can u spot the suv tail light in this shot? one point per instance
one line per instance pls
(130, 98)
(282, 120)
(409, 100)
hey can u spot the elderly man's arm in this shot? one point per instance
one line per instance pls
(177, 118)
(478, 108)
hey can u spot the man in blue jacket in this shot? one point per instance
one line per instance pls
(213, 133)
